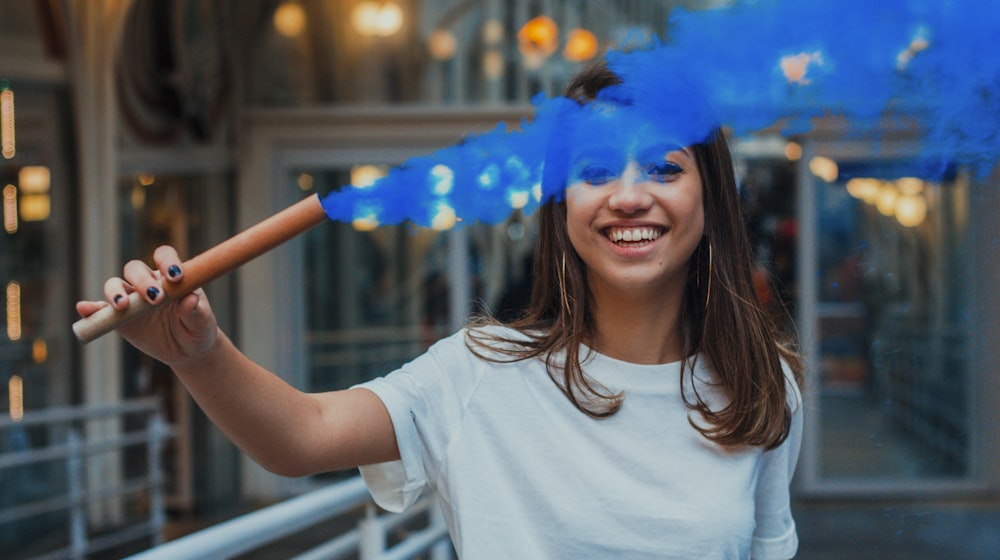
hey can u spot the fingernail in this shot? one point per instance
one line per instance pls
(153, 293)
(174, 271)
(118, 298)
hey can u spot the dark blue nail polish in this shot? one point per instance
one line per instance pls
(174, 271)
(118, 298)
(153, 293)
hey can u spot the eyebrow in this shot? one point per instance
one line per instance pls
(685, 150)
(661, 151)
(598, 152)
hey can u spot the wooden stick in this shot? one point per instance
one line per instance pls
(213, 263)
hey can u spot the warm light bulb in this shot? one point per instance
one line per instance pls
(538, 37)
(372, 18)
(7, 124)
(442, 44)
(865, 189)
(305, 182)
(443, 178)
(365, 223)
(795, 67)
(910, 185)
(445, 218)
(581, 45)
(364, 176)
(35, 207)
(911, 210)
(290, 19)
(824, 168)
(34, 179)
(15, 392)
(493, 64)
(390, 19)
(39, 351)
(10, 208)
(14, 311)
(518, 199)
(793, 151)
(885, 202)
(492, 33)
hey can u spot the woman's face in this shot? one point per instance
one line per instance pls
(635, 216)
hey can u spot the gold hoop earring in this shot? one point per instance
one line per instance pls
(562, 285)
(708, 293)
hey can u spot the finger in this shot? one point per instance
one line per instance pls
(88, 308)
(116, 291)
(168, 263)
(195, 314)
(144, 280)
(189, 303)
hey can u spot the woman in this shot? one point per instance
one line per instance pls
(644, 406)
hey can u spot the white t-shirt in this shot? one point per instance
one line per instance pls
(522, 473)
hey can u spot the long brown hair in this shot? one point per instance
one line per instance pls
(722, 319)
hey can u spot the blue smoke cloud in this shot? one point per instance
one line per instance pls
(748, 66)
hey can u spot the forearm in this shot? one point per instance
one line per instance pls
(267, 418)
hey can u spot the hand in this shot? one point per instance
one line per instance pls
(177, 330)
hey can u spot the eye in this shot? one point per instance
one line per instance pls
(596, 175)
(663, 172)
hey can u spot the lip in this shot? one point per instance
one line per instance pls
(633, 249)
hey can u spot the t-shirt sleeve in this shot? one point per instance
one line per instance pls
(775, 536)
(396, 485)
(425, 399)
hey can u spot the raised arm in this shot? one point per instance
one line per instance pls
(287, 431)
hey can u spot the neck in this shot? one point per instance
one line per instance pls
(638, 328)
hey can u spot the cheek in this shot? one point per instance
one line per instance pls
(693, 205)
(577, 205)
(578, 215)
(698, 215)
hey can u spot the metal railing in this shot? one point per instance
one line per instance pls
(377, 535)
(370, 540)
(64, 429)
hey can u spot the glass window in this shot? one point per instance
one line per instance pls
(188, 212)
(378, 297)
(892, 324)
(313, 52)
(36, 345)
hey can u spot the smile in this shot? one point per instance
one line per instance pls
(633, 235)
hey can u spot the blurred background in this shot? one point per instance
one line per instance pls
(127, 124)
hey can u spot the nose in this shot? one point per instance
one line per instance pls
(629, 193)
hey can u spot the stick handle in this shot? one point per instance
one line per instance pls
(213, 263)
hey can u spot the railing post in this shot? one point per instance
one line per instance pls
(158, 432)
(74, 474)
(442, 550)
(372, 534)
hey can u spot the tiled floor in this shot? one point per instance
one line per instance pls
(862, 531)
(835, 529)
(832, 531)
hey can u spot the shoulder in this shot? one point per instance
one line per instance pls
(496, 342)
(476, 347)
(792, 390)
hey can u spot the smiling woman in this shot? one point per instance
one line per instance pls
(635, 233)
(631, 380)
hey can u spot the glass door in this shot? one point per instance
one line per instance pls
(886, 326)
(376, 297)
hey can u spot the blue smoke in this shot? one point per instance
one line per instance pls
(748, 66)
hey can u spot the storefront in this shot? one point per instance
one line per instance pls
(185, 124)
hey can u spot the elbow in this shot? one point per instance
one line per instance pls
(286, 464)
(289, 471)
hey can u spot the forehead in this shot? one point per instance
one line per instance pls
(612, 130)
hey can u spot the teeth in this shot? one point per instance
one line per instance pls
(633, 234)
